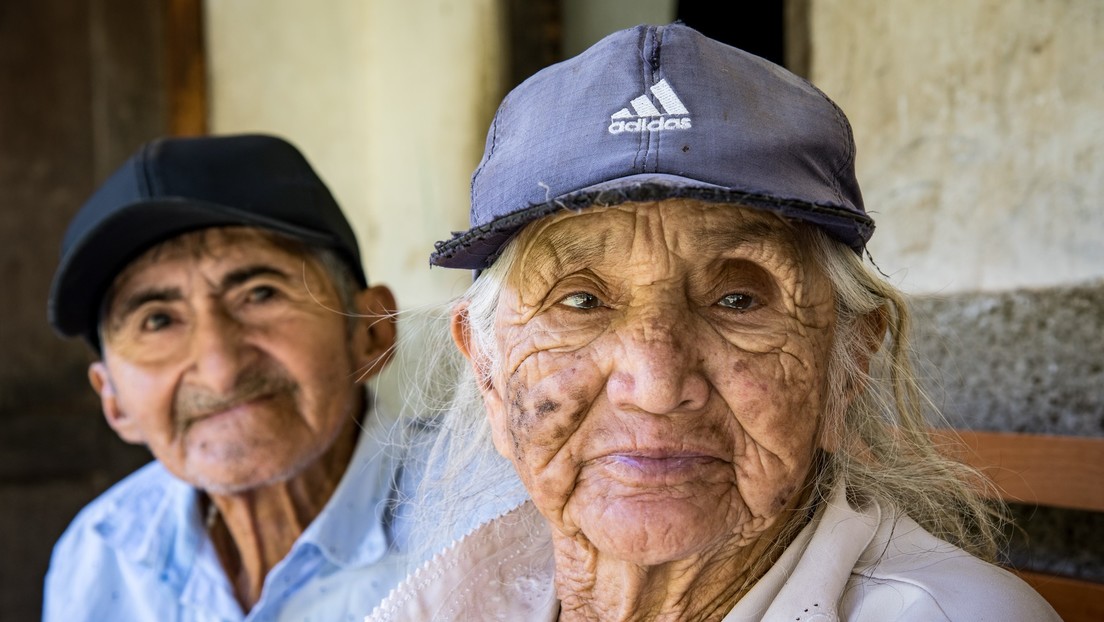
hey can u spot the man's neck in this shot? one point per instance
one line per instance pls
(252, 531)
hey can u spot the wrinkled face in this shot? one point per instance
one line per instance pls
(225, 352)
(663, 375)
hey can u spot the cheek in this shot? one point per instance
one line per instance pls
(319, 362)
(777, 399)
(145, 396)
(547, 401)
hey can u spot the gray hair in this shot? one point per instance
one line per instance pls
(885, 453)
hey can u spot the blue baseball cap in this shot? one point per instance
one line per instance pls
(658, 112)
(175, 185)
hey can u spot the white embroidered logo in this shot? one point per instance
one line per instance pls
(648, 118)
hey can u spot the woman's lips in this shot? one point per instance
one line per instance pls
(663, 469)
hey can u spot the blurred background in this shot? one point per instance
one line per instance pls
(980, 152)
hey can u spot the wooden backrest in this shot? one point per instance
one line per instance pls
(1056, 471)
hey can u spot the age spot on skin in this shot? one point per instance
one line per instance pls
(784, 496)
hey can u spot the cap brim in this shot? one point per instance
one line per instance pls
(478, 247)
(87, 270)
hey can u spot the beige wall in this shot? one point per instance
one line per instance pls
(980, 134)
(981, 143)
(388, 99)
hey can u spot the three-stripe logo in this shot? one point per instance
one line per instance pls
(647, 117)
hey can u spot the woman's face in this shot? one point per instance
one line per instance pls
(663, 375)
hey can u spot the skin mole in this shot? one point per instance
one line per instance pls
(546, 406)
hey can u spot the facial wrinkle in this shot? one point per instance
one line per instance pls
(756, 365)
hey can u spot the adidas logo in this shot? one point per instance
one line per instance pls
(648, 118)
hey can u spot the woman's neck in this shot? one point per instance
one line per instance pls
(703, 587)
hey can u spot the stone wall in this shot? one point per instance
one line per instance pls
(981, 157)
(1024, 360)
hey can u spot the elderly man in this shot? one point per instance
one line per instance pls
(222, 290)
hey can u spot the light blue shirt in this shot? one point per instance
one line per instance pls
(140, 552)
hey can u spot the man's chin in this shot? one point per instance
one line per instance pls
(229, 483)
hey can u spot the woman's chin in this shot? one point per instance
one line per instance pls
(654, 531)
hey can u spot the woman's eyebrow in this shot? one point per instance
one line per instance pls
(721, 239)
(570, 251)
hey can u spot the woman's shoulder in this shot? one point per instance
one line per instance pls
(501, 570)
(907, 573)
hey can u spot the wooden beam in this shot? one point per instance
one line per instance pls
(1074, 599)
(186, 68)
(1057, 471)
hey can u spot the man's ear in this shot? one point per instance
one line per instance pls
(373, 340)
(480, 366)
(124, 425)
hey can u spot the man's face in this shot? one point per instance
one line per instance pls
(227, 354)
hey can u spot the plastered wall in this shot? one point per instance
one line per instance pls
(390, 102)
(980, 135)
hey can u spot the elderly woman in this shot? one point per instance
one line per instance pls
(675, 342)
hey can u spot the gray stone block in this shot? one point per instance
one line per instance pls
(1021, 360)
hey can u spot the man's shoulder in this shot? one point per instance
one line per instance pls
(98, 555)
(134, 495)
(114, 517)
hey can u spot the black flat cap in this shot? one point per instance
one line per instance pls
(175, 185)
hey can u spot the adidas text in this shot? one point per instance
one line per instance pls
(646, 125)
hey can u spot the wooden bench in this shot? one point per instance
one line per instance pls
(1035, 469)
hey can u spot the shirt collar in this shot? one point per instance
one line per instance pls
(351, 529)
(157, 522)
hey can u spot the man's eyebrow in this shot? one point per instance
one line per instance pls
(237, 277)
(142, 297)
(232, 279)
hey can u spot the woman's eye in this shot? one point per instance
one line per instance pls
(739, 302)
(155, 322)
(260, 293)
(581, 300)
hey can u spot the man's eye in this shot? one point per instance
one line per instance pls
(581, 300)
(156, 321)
(260, 293)
(739, 302)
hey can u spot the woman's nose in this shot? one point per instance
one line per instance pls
(660, 369)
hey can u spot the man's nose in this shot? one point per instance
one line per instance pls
(661, 369)
(219, 351)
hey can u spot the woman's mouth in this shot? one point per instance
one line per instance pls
(659, 468)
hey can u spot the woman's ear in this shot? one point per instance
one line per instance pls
(871, 332)
(480, 366)
(124, 425)
(373, 340)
